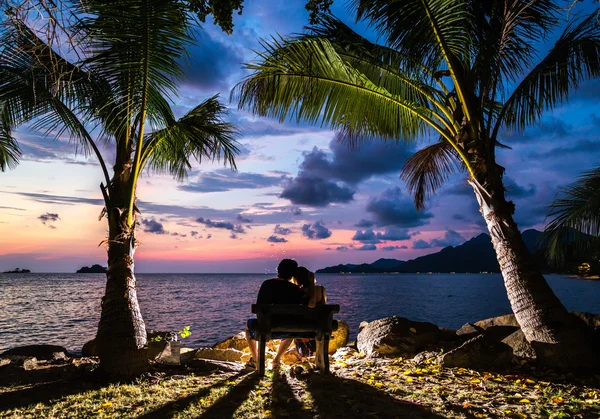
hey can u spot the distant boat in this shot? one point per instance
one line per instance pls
(18, 271)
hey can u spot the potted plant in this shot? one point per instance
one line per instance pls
(164, 347)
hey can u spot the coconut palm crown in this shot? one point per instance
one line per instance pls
(575, 218)
(113, 101)
(466, 70)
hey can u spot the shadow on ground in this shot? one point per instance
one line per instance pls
(44, 385)
(338, 397)
(225, 406)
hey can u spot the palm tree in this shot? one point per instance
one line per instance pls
(115, 96)
(461, 69)
(576, 218)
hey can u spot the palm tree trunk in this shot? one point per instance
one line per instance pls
(560, 340)
(121, 336)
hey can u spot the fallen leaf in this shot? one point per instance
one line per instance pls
(557, 400)
(412, 329)
(466, 405)
(475, 380)
(107, 404)
(524, 401)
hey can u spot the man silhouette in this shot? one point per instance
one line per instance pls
(277, 291)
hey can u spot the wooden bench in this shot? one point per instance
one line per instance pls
(283, 321)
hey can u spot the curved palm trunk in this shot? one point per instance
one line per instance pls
(560, 340)
(121, 336)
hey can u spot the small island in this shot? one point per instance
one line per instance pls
(94, 269)
(18, 271)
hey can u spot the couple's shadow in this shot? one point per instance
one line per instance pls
(325, 396)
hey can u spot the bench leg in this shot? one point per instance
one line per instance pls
(261, 355)
(323, 354)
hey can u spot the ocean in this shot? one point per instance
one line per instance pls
(64, 309)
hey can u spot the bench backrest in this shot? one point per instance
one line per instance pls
(295, 318)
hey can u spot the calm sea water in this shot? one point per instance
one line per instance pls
(64, 309)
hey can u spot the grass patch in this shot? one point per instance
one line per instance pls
(358, 388)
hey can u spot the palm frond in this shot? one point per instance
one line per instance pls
(9, 148)
(421, 29)
(427, 170)
(574, 58)
(200, 134)
(576, 217)
(137, 48)
(398, 74)
(38, 85)
(307, 79)
(507, 34)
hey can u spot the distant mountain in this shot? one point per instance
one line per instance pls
(386, 263)
(475, 255)
(379, 265)
(94, 269)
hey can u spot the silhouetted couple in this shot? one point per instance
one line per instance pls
(294, 285)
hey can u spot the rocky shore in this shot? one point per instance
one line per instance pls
(484, 369)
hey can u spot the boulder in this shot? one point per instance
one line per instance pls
(237, 342)
(396, 335)
(424, 356)
(186, 355)
(521, 348)
(592, 320)
(339, 339)
(344, 353)
(469, 329)
(89, 349)
(504, 320)
(500, 332)
(480, 352)
(448, 335)
(228, 355)
(42, 352)
(30, 364)
(4, 362)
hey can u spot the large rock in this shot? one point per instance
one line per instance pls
(339, 339)
(187, 354)
(396, 335)
(481, 352)
(41, 352)
(89, 349)
(592, 320)
(469, 330)
(237, 342)
(504, 320)
(228, 355)
(521, 348)
(30, 364)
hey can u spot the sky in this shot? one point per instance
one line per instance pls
(297, 192)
